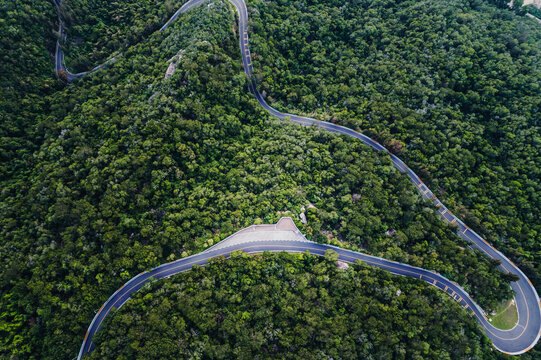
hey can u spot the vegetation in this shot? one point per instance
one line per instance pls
(98, 29)
(124, 170)
(517, 6)
(505, 316)
(26, 76)
(283, 306)
(451, 87)
(534, 10)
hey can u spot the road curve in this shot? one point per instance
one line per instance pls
(515, 341)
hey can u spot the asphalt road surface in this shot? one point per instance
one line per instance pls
(515, 341)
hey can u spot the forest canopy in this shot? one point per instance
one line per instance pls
(451, 87)
(282, 306)
(124, 169)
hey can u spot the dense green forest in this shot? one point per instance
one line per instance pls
(451, 87)
(26, 76)
(97, 30)
(283, 306)
(124, 170)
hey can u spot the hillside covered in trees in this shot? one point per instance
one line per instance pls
(124, 170)
(97, 30)
(286, 306)
(452, 87)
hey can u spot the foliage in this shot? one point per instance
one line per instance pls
(26, 76)
(451, 87)
(534, 10)
(98, 29)
(124, 170)
(283, 306)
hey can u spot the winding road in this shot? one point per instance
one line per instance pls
(516, 341)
